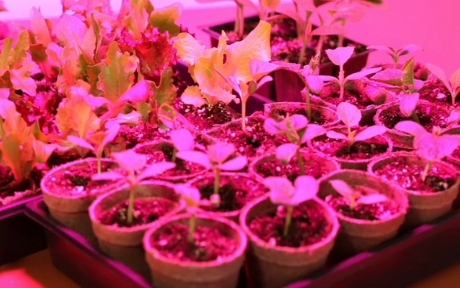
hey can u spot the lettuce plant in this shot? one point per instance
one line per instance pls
(298, 131)
(134, 169)
(353, 196)
(339, 57)
(192, 197)
(452, 84)
(350, 115)
(218, 157)
(396, 54)
(430, 146)
(283, 192)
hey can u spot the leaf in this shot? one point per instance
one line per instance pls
(439, 73)
(314, 83)
(42, 150)
(197, 157)
(21, 80)
(274, 127)
(306, 188)
(77, 115)
(80, 142)
(285, 152)
(129, 160)
(182, 139)
(218, 153)
(235, 164)
(71, 30)
(165, 92)
(349, 114)
(390, 76)
(411, 48)
(336, 135)
(362, 74)
(327, 78)
(17, 154)
(191, 195)
(343, 188)
(107, 176)
(408, 103)
(155, 169)
(281, 190)
(339, 56)
(382, 48)
(370, 132)
(408, 74)
(454, 116)
(192, 96)
(140, 92)
(260, 68)
(39, 27)
(166, 18)
(313, 131)
(188, 48)
(372, 199)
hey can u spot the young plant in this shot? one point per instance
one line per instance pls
(218, 157)
(432, 146)
(134, 169)
(452, 84)
(353, 196)
(350, 115)
(298, 131)
(313, 82)
(339, 57)
(282, 192)
(182, 140)
(396, 54)
(192, 197)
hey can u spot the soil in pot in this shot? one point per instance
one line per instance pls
(318, 116)
(435, 92)
(11, 191)
(132, 135)
(308, 226)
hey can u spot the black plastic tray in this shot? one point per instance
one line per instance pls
(19, 235)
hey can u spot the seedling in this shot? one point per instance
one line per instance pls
(350, 115)
(282, 192)
(192, 197)
(218, 157)
(339, 57)
(430, 146)
(298, 131)
(182, 140)
(396, 54)
(452, 84)
(355, 197)
(134, 169)
(313, 82)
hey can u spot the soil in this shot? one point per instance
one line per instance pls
(308, 226)
(76, 179)
(235, 191)
(360, 150)
(428, 115)
(407, 174)
(376, 211)
(331, 94)
(318, 117)
(292, 169)
(30, 185)
(432, 91)
(210, 244)
(146, 210)
(138, 134)
(61, 157)
(206, 116)
(163, 152)
(252, 142)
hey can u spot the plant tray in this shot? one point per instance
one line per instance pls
(20, 236)
(407, 258)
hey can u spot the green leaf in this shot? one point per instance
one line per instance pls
(76, 115)
(71, 30)
(40, 28)
(166, 18)
(408, 74)
(188, 48)
(17, 154)
(21, 80)
(165, 92)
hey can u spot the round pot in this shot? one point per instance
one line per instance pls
(424, 206)
(357, 235)
(240, 181)
(172, 273)
(125, 243)
(159, 147)
(313, 160)
(455, 161)
(401, 139)
(356, 164)
(70, 208)
(270, 266)
(282, 108)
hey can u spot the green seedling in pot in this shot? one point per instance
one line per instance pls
(350, 115)
(133, 169)
(396, 54)
(218, 157)
(355, 197)
(452, 84)
(432, 146)
(283, 192)
(298, 131)
(339, 57)
(192, 198)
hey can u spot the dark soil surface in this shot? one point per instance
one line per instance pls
(146, 210)
(252, 142)
(206, 116)
(432, 91)
(331, 94)
(318, 117)
(76, 180)
(144, 132)
(164, 152)
(235, 191)
(210, 244)
(407, 174)
(61, 157)
(8, 187)
(308, 226)
(313, 167)
(376, 211)
(428, 115)
(360, 150)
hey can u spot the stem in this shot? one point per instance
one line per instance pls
(341, 82)
(341, 36)
(132, 194)
(243, 114)
(319, 47)
(303, 49)
(309, 117)
(174, 157)
(415, 117)
(290, 210)
(300, 161)
(427, 169)
(216, 180)
(192, 228)
(99, 164)
(396, 60)
(239, 25)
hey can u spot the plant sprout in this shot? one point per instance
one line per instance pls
(218, 157)
(298, 131)
(192, 197)
(395, 54)
(429, 146)
(313, 82)
(182, 140)
(355, 197)
(452, 84)
(350, 115)
(282, 192)
(135, 170)
(339, 57)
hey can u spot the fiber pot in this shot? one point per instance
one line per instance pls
(454, 160)
(270, 266)
(172, 273)
(70, 207)
(357, 235)
(125, 243)
(424, 206)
